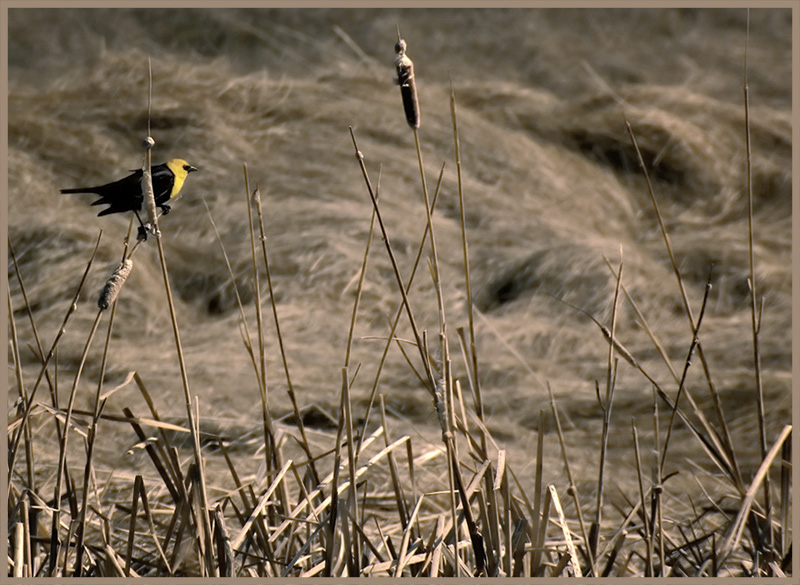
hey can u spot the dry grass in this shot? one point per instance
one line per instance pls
(545, 189)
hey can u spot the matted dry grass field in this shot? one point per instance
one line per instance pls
(555, 206)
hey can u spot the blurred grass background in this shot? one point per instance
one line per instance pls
(551, 186)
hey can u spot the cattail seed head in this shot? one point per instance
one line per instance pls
(408, 87)
(114, 284)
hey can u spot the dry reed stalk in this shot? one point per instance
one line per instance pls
(616, 543)
(289, 386)
(55, 541)
(301, 553)
(23, 396)
(331, 539)
(658, 478)
(572, 553)
(399, 313)
(385, 542)
(225, 554)
(476, 538)
(718, 444)
(204, 522)
(441, 410)
(648, 536)
(786, 498)
(272, 453)
(246, 333)
(411, 106)
(405, 77)
(402, 557)
(209, 567)
(687, 362)
(148, 515)
(606, 405)
(572, 489)
(325, 503)
(356, 302)
(400, 501)
(537, 518)
(171, 473)
(354, 552)
(435, 272)
(260, 507)
(32, 546)
(717, 449)
(113, 288)
(266, 418)
(436, 555)
(711, 432)
(474, 376)
(501, 485)
(518, 547)
(755, 322)
(361, 274)
(417, 337)
(355, 556)
(537, 566)
(493, 512)
(73, 306)
(734, 532)
(34, 328)
(20, 541)
(17, 538)
(619, 348)
(132, 525)
(357, 524)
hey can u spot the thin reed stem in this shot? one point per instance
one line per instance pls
(282, 349)
(572, 490)
(399, 313)
(91, 441)
(406, 303)
(648, 536)
(73, 306)
(473, 353)
(687, 362)
(55, 541)
(754, 320)
(606, 405)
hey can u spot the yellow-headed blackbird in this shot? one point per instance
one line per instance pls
(126, 194)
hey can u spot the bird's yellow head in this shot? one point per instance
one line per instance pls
(180, 168)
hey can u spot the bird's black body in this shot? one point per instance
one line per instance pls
(126, 194)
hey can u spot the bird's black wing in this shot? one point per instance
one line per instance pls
(121, 196)
(163, 181)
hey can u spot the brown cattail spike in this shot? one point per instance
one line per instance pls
(114, 284)
(408, 87)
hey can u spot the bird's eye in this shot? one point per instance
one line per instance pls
(186, 168)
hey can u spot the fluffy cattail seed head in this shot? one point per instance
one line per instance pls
(114, 284)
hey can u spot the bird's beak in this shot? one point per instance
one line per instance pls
(191, 168)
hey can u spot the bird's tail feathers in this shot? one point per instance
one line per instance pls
(80, 190)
